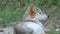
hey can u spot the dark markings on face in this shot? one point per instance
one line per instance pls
(37, 10)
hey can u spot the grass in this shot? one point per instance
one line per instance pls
(13, 10)
(10, 15)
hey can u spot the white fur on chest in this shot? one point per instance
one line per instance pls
(35, 27)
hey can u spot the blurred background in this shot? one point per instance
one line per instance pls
(13, 10)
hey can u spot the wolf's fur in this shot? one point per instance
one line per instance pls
(30, 27)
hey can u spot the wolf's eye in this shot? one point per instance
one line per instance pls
(39, 12)
(36, 9)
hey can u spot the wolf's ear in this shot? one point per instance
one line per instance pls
(31, 9)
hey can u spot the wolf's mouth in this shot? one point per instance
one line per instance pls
(43, 20)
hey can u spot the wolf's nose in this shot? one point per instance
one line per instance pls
(48, 16)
